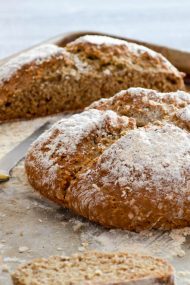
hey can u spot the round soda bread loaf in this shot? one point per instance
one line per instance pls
(101, 166)
(96, 268)
(50, 79)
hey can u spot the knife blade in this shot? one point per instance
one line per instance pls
(16, 154)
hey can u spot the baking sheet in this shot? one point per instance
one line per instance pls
(31, 226)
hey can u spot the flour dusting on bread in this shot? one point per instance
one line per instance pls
(157, 156)
(37, 55)
(105, 40)
(74, 129)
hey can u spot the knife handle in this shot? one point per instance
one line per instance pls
(4, 175)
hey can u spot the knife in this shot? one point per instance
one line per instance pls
(14, 156)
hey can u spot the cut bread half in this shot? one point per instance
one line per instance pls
(51, 79)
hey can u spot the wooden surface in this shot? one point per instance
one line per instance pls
(24, 23)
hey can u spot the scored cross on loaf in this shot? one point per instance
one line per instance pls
(124, 162)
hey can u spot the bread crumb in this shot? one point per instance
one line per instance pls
(98, 272)
(85, 244)
(59, 249)
(183, 273)
(78, 226)
(81, 248)
(5, 268)
(23, 249)
(64, 256)
(181, 253)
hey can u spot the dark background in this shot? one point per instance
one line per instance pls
(24, 23)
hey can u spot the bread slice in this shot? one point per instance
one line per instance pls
(96, 268)
(50, 79)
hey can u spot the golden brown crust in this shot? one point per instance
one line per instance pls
(69, 147)
(96, 268)
(71, 78)
(139, 182)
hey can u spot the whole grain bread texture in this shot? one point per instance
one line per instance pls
(51, 79)
(96, 268)
(105, 167)
(149, 106)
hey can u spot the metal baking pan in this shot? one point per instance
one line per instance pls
(41, 228)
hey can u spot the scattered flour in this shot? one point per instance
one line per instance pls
(13, 259)
(168, 244)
